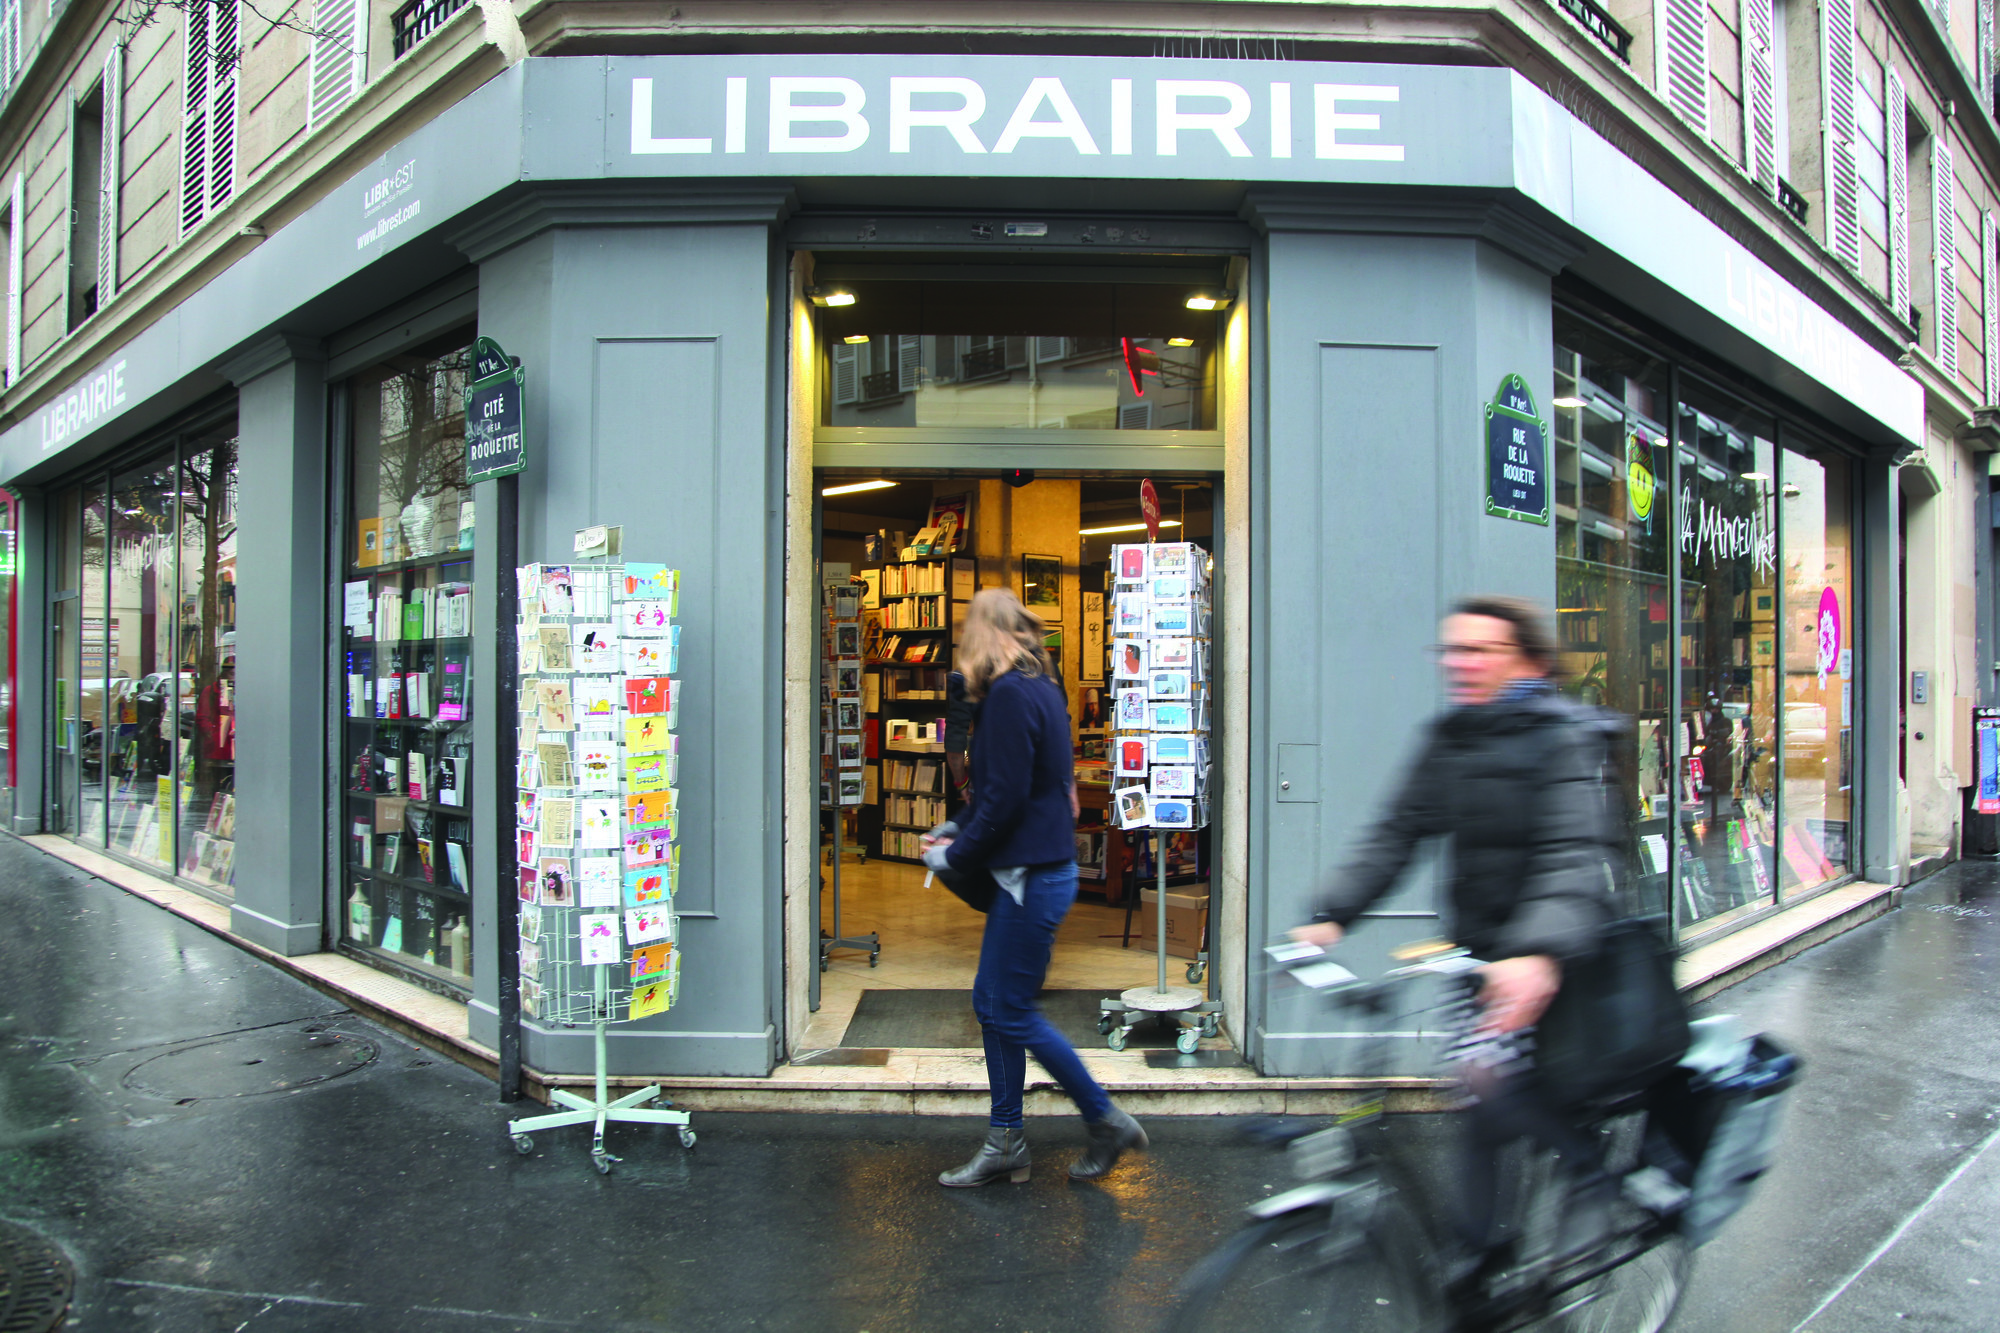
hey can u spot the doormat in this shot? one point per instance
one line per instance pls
(943, 1018)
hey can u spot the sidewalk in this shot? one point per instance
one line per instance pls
(218, 1146)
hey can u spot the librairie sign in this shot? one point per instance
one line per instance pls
(493, 443)
(1517, 455)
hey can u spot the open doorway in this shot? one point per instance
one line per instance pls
(904, 551)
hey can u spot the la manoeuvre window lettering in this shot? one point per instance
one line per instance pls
(1710, 535)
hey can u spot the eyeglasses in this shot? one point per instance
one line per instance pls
(1472, 650)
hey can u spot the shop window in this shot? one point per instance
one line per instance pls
(1008, 356)
(406, 687)
(1815, 640)
(1726, 782)
(1614, 573)
(143, 689)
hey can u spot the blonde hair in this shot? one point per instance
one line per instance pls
(1000, 636)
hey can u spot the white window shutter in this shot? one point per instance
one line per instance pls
(1896, 146)
(1760, 82)
(339, 57)
(1683, 59)
(909, 361)
(846, 373)
(110, 175)
(1989, 306)
(1843, 178)
(1984, 73)
(17, 227)
(1944, 252)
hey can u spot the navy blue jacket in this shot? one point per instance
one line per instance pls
(1021, 775)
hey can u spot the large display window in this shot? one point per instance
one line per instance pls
(1705, 590)
(144, 656)
(405, 688)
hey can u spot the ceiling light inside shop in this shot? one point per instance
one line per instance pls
(851, 487)
(1209, 299)
(855, 339)
(830, 296)
(1571, 400)
(1755, 476)
(1180, 342)
(1126, 527)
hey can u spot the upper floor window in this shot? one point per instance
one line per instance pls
(211, 57)
(418, 19)
(86, 214)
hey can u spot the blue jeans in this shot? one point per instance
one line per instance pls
(1013, 962)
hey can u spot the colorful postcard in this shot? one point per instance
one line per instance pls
(646, 620)
(1131, 711)
(650, 962)
(643, 581)
(847, 678)
(596, 766)
(647, 695)
(1130, 803)
(598, 819)
(648, 809)
(1170, 654)
(556, 889)
(647, 735)
(597, 879)
(597, 940)
(1172, 812)
(527, 846)
(648, 887)
(1171, 588)
(1184, 749)
(555, 649)
(643, 925)
(1170, 685)
(531, 956)
(524, 809)
(1128, 614)
(1173, 780)
(557, 596)
(1128, 659)
(593, 647)
(1170, 717)
(1131, 756)
(552, 706)
(531, 922)
(847, 751)
(847, 640)
(529, 875)
(653, 997)
(649, 846)
(558, 823)
(594, 697)
(1170, 618)
(1129, 563)
(646, 773)
(1172, 558)
(552, 763)
(848, 713)
(643, 657)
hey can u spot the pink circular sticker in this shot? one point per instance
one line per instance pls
(1829, 632)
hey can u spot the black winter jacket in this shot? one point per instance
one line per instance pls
(1515, 785)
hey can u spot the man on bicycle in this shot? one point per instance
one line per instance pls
(1512, 779)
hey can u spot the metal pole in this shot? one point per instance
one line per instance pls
(839, 819)
(603, 1017)
(1160, 916)
(507, 717)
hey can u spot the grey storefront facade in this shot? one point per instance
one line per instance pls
(640, 232)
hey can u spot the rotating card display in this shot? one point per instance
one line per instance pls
(1159, 716)
(596, 808)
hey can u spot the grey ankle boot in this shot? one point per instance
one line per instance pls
(1108, 1138)
(1005, 1153)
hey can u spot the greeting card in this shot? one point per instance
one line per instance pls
(1170, 588)
(646, 695)
(647, 735)
(648, 847)
(643, 925)
(527, 845)
(1128, 614)
(648, 886)
(597, 879)
(1170, 717)
(1172, 812)
(599, 821)
(555, 648)
(556, 889)
(1129, 562)
(528, 877)
(1130, 802)
(646, 620)
(1184, 749)
(593, 647)
(524, 809)
(648, 809)
(1131, 711)
(556, 594)
(1131, 756)
(1172, 558)
(558, 823)
(597, 939)
(594, 698)
(642, 581)
(552, 764)
(654, 997)
(596, 766)
(650, 962)
(1170, 618)
(1169, 685)
(1128, 659)
(1173, 780)
(1170, 654)
(643, 657)
(649, 772)
(552, 706)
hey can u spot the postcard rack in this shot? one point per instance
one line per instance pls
(842, 784)
(1159, 748)
(596, 816)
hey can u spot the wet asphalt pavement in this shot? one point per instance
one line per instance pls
(140, 1130)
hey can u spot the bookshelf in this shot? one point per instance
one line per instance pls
(910, 666)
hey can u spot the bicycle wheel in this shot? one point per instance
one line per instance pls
(1639, 1295)
(1314, 1269)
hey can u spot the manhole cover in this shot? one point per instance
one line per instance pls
(250, 1064)
(34, 1282)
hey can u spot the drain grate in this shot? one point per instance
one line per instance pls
(35, 1281)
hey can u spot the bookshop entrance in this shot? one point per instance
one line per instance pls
(900, 555)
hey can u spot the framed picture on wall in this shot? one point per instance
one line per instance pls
(1041, 584)
(1090, 667)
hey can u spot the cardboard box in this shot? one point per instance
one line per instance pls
(1187, 915)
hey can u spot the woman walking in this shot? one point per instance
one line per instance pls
(1020, 826)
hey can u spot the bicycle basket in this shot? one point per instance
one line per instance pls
(1731, 1126)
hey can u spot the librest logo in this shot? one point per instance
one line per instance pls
(391, 187)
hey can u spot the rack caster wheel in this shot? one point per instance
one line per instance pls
(687, 1137)
(1210, 1027)
(523, 1144)
(1104, 1026)
(1195, 972)
(1189, 1039)
(1116, 1041)
(601, 1160)
(822, 962)
(874, 957)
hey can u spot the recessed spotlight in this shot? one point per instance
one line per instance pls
(855, 339)
(1209, 298)
(824, 296)
(851, 487)
(1180, 342)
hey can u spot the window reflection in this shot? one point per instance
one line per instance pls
(1817, 498)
